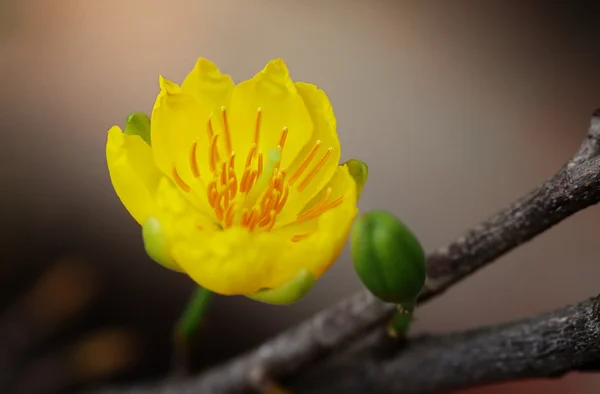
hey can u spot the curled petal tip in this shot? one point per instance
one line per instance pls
(289, 292)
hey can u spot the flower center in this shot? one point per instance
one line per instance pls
(255, 200)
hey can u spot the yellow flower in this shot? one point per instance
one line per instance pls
(241, 183)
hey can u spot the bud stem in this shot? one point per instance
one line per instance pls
(399, 325)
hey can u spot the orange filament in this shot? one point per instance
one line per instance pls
(209, 128)
(229, 216)
(315, 170)
(257, 129)
(252, 221)
(300, 237)
(226, 130)
(317, 206)
(254, 200)
(283, 199)
(320, 208)
(251, 155)
(231, 177)
(305, 163)
(194, 160)
(212, 194)
(182, 185)
(213, 153)
(260, 163)
(283, 137)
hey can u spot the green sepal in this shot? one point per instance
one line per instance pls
(138, 124)
(359, 171)
(388, 257)
(289, 292)
(156, 245)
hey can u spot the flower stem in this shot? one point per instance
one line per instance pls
(188, 326)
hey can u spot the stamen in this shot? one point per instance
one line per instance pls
(245, 216)
(219, 210)
(315, 170)
(283, 200)
(212, 194)
(316, 207)
(209, 128)
(182, 185)
(229, 215)
(213, 154)
(226, 130)
(232, 185)
(194, 161)
(248, 181)
(264, 186)
(305, 163)
(269, 220)
(300, 237)
(252, 220)
(247, 169)
(224, 194)
(332, 204)
(264, 179)
(231, 177)
(224, 173)
(251, 155)
(280, 179)
(283, 137)
(257, 129)
(260, 163)
(321, 211)
(264, 220)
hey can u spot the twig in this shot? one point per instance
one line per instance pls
(548, 345)
(575, 187)
(572, 189)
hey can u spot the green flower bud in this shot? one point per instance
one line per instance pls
(138, 124)
(387, 257)
(360, 172)
(287, 293)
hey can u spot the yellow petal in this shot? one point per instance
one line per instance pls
(336, 222)
(175, 220)
(132, 172)
(188, 115)
(235, 261)
(180, 140)
(211, 88)
(324, 131)
(274, 93)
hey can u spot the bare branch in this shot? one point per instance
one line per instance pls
(544, 346)
(575, 187)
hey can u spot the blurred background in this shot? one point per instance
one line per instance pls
(458, 107)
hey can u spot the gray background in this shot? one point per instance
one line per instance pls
(458, 107)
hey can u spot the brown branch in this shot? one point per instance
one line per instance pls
(544, 346)
(575, 187)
